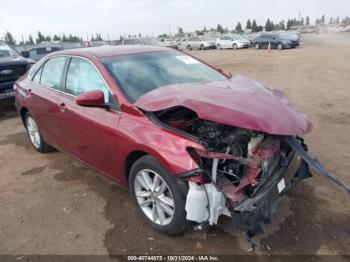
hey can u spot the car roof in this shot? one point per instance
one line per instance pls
(106, 51)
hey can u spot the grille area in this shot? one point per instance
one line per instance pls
(17, 71)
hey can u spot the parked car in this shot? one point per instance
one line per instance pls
(168, 42)
(201, 42)
(36, 53)
(146, 41)
(275, 41)
(232, 41)
(182, 43)
(251, 37)
(12, 66)
(188, 141)
(289, 35)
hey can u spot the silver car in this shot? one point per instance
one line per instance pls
(232, 41)
(201, 42)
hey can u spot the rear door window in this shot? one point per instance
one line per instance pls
(52, 72)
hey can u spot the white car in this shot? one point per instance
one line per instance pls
(201, 42)
(232, 41)
(182, 43)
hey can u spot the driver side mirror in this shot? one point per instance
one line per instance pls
(94, 98)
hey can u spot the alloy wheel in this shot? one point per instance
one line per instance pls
(154, 197)
(33, 132)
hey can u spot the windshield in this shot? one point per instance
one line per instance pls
(137, 74)
(6, 50)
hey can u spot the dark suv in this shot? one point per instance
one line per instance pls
(12, 66)
(276, 41)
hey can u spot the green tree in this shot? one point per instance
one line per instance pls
(8, 37)
(248, 25)
(239, 28)
(30, 40)
(56, 38)
(220, 29)
(280, 26)
(268, 25)
(180, 32)
(40, 38)
(307, 20)
(254, 26)
(259, 28)
(64, 38)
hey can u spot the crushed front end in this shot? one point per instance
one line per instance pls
(250, 173)
(242, 173)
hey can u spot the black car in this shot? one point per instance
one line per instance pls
(12, 67)
(36, 53)
(275, 41)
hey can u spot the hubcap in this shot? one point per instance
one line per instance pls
(154, 197)
(33, 132)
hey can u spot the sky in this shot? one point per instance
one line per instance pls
(150, 17)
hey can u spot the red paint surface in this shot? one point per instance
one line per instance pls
(240, 102)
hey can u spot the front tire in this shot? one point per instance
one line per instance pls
(157, 197)
(234, 47)
(189, 47)
(34, 135)
(279, 46)
(202, 47)
(218, 47)
(256, 46)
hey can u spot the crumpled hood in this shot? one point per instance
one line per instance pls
(239, 101)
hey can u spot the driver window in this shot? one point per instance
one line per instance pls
(83, 77)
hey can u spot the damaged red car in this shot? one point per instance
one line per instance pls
(190, 142)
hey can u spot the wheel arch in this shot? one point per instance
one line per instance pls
(136, 154)
(23, 111)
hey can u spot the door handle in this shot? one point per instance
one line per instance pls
(62, 107)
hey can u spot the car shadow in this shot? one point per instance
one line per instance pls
(7, 108)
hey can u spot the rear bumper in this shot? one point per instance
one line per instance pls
(251, 213)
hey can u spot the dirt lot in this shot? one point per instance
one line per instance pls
(52, 204)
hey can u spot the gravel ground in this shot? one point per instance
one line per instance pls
(52, 204)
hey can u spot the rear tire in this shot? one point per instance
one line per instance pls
(202, 47)
(34, 135)
(279, 46)
(157, 197)
(189, 47)
(218, 47)
(234, 46)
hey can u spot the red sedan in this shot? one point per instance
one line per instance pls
(188, 141)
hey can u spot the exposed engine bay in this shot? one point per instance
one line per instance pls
(241, 158)
(242, 172)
